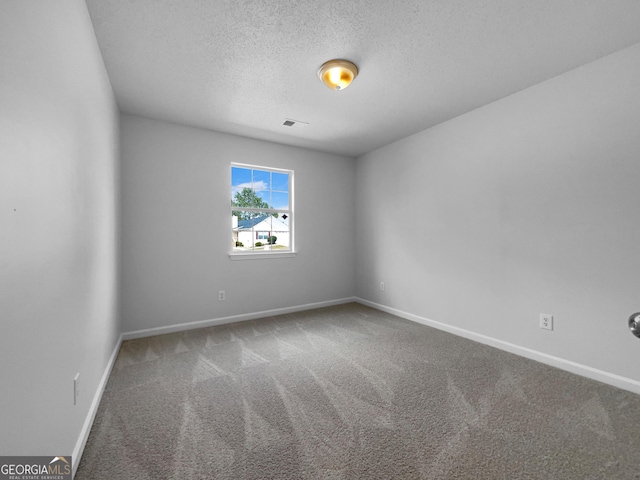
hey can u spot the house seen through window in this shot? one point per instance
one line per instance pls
(261, 209)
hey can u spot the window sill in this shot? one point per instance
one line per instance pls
(261, 255)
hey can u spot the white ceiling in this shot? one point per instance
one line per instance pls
(243, 66)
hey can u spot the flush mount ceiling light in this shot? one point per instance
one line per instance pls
(337, 74)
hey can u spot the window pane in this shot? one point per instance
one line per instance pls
(277, 233)
(280, 200)
(250, 198)
(261, 180)
(245, 225)
(285, 218)
(280, 181)
(265, 197)
(240, 179)
(279, 240)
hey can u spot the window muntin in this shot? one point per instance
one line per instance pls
(261, 209)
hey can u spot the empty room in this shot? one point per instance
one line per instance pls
(320, 240)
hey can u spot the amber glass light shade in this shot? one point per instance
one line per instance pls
(337, 74)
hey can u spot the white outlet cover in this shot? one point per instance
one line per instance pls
(546, 321)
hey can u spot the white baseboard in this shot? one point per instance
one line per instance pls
(561, 363)
(179, 327)
(93, 409)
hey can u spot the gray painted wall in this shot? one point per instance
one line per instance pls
(528, 205)
(58, 224)
(176, 227)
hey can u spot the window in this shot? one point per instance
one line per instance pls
(261, 210)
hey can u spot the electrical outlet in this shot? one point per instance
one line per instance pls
(382, 286)
(546, 321)
(76, 388)
(222, 296)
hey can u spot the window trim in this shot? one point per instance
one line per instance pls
(269, 254)
(262, 255)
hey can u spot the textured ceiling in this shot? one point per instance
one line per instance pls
(243, 66)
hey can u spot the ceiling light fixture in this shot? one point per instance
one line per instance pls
(337, 74)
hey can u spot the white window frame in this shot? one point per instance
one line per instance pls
(265, 254)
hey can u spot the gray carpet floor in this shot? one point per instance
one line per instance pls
(350, 392)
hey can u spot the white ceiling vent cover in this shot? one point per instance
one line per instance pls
(294, 123)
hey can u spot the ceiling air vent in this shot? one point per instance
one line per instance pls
(294, 123)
